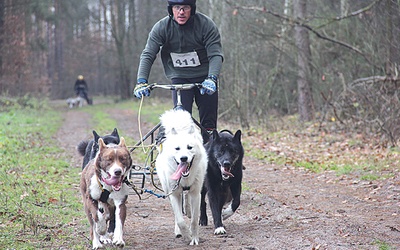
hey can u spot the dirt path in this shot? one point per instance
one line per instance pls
(282, 207)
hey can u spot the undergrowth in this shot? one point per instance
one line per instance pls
(320, 149)
(35, 179)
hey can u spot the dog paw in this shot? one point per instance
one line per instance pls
(219, 230)
(105, 239)
(182, 230)
(185, 237)
(97, 245)
(119, 242)
(226, 213)
(194, 242)
(203, 222)
(178, 233)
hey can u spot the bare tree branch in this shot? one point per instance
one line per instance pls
(357, 12)
(313, 30)
(372, 79)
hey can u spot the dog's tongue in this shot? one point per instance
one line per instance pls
(226, 172)
(111, 181)
(117, 187)
(182, 167)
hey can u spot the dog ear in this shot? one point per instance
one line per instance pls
(101, 144)
(238, 135)
(215, 135)
(96, 136)
(122, 142)
(115, 132)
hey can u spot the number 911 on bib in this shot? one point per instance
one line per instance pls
(183, 60)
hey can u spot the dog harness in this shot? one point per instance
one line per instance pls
(104, 192)
(176, 186)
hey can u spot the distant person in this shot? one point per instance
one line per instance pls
(191, 52)
(81, 89)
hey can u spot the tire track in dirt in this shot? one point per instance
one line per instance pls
(74, 129)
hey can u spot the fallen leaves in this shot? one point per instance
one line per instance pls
(325, 150)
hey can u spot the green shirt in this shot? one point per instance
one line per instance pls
(199, 34)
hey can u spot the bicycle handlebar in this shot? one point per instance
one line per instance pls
(179, 86)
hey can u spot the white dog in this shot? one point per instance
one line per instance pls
(181, 165)
(75, 102)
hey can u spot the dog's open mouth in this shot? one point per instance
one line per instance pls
(226, 174)
(114, 181)
(182, 170)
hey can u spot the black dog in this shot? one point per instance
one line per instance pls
(223, 182)
(89, 148)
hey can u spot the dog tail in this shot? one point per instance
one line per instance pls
(82, 147)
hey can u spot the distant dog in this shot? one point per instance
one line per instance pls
(181, 165)
(75, 102)
(105, 192)
(89, 148)
(223, 183)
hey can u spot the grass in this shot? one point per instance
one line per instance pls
(382, 245)
(34, 179)
(102, 119)
(150, 111)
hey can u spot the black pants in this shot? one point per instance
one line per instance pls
(206, 104)
(83, 93)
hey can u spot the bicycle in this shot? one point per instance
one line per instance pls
(148, 169)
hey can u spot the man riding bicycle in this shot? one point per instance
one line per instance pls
(191, 52)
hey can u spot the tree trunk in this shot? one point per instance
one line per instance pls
(392, 20)
(279, 65)
(118, 31)
(2, 11)
(58, 50)
(305, 101)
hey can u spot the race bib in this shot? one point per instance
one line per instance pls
(183, 60)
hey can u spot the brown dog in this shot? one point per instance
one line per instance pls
(104, 192)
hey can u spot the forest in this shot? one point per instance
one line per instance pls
(324, 61)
